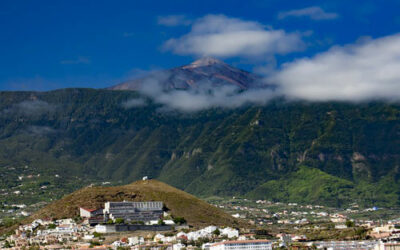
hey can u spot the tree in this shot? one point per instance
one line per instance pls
(216, 232)
(97, 235)
(179, 220)
(350, 223)
(119, 221)
(7, 244)
(161, 222)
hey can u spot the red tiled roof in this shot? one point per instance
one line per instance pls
(89, 210)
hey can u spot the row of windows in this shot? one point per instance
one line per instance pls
(149, 204)
(247, 244)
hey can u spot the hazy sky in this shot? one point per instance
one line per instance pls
(56, 44)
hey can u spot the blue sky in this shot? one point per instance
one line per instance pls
(47, 45)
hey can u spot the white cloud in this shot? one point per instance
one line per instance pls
(206, 96)
(29, 108)
(133, 103)
(222, 36)
(360, 72)
(365, 71)
(314, 12)
(174, 20)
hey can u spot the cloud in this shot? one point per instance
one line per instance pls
(368, 70)
(206, 96)
(29, 108)
(133, 103)
(222, 36)
(174, 20)
(314, 12)
(78, 60)
(360, 72)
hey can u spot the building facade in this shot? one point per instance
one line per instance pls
(134, 211)
(242, 245)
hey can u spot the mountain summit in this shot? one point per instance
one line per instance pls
(204, 62)
(204, 71)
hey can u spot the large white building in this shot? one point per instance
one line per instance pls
(242, 244)
(134, 211)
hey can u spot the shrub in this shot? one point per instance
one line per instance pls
(119, 221)
(350, 223)
(179, 220)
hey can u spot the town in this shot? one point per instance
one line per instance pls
(149, 225)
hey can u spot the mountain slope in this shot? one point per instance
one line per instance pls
(84, 136)
(179, 203)
(205, 71)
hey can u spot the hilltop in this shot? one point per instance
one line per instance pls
(179, 203)
(204, 71)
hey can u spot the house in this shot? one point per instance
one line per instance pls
(105, 228)
(243, 244)
(178, 246)
(230, 232)
(136, 240)
(87, 213)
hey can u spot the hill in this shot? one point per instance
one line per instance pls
(52, 143)
(179, 203)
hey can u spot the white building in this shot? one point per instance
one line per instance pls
(333, 245)
(387, 246)
(230, 232)
(243, 244)
(105, 228)
(134, 211)
(133, 241)
(87, 213)
(66, 229)
(178, 246)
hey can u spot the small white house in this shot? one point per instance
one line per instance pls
(158, 237)
(230, 232)
(87, 213)
(178, 246)
(105, 228)
(133, 241)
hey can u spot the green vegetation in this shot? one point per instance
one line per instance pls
(179, 220)
(350, 223)
(310, 185)
(355, 233)
(52, 143)
(306, 185)
(97, 235)
(119, 221)
(216, 232)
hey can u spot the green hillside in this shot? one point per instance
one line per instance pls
(310, 185)
(67, 139)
